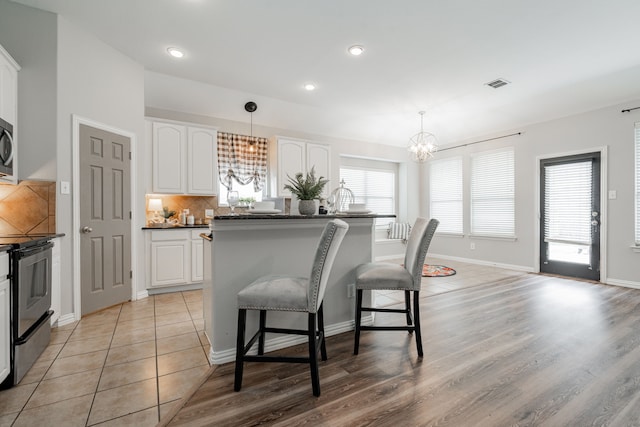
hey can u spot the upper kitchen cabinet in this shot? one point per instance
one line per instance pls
(9, 110)
(184, 159)
(292, 156)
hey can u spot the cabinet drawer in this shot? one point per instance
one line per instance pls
(4, 265)
(164, 235)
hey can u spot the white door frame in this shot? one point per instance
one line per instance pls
(603, 206)
(75, 197)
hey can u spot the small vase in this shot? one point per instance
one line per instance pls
(307, 207)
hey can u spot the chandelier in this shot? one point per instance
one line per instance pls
(422, 145)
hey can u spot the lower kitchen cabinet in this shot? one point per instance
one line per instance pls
(5, 332)
(174, 257)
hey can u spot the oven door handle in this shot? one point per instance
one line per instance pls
(34, 328)
(23, 253)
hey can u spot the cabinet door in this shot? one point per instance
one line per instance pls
(4, 330)
(169, 158)
(202, 169)
(319, 157)
(169, 263)
(8, 91)
(291, 160)
(197, 260)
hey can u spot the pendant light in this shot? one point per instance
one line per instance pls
(250, 107)
(423, 145)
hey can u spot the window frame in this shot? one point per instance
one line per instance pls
(357, 163)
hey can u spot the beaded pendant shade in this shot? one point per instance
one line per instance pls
(423, 145)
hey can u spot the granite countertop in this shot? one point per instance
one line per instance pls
(298, 217)
(173, 226)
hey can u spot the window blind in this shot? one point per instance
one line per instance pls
(637, 133)
(493, 194)
(374, 188)
(568, 202)
(445, 190)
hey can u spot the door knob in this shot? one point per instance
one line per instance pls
(86, 230)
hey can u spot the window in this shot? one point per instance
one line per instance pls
(372, 183)
(637, 183)
(492, 194)
(245, 191)
(445, 190)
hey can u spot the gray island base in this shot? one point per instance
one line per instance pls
(245, 247)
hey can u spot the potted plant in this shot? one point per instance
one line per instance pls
(307, 189)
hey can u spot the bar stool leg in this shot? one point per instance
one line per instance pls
(313, 355)
(356, 344)
(242, 320)
(407, 306)
(323, 347)
(263, 325)
(416, 319)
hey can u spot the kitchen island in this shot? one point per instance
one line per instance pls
(244, 247)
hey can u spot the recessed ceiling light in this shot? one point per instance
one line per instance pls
(175, 52)
(310, 86)
(356, 50)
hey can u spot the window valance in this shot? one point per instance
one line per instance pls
(243, 159)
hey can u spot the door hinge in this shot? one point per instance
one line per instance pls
(129, 214)
(129, 155)
(130, 274)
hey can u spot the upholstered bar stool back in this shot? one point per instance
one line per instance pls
(291, 293)
(387, 276)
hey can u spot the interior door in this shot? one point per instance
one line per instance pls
(570, 216)
(105, 215)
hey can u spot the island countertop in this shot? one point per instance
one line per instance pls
(246, 216)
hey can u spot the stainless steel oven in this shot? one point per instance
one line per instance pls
(31, 259)
(7, 148)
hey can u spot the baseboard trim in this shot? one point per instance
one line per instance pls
(482, 262)
(229, 355)
(142, 295)
(623, 283)
(389, 257)
(66, 319)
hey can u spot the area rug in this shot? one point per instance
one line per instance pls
(429, 270)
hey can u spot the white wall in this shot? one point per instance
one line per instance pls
(98, 83)
(605, 127)
(34, 47)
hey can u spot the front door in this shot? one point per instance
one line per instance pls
(570, 216)
(105, 215)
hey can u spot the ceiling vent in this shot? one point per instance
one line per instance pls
(497, 83)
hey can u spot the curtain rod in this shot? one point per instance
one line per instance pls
(484, 140)
(629, 109)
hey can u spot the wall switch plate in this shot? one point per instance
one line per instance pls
(472, 246)
(208, 213)
(65, 187)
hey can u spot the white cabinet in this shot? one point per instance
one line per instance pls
(176, 257)
(293, 156)
(184, 159)
(5, 320)
(9, 103)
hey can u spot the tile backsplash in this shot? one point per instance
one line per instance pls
(195, 204)
(28, 208)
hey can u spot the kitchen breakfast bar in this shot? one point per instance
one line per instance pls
(242, 248)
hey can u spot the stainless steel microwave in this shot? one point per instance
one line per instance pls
(7, 148)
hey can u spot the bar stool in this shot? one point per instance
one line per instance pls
(290, 293)
(387, 276)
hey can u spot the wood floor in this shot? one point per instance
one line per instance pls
(526, 350)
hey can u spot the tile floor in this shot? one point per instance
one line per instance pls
(127, 365)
